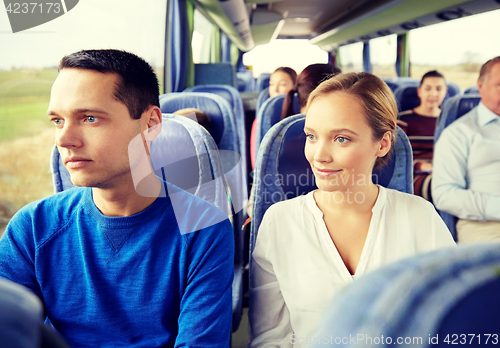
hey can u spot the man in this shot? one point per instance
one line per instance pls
(466, 180)
(110, 265)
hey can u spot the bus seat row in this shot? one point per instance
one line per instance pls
(434, 299)
(282, 171)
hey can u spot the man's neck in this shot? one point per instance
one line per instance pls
(118, 202)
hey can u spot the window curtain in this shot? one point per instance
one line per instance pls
(225, 45)
(367, 64)
(215, 48)
(178, 48)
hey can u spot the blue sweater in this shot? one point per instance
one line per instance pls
(125, 281)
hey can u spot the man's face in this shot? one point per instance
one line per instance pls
(489, 89)
(93, 128)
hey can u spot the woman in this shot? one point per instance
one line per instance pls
(281, 81)
(311, 246)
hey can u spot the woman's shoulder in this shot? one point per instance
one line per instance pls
(289, 205)
(402, 200)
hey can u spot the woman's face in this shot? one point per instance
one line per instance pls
(432, 92)
(339, 142)
(279, 83)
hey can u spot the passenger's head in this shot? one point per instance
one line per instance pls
(201, 117)
(281, 81)
(489, 84)
(136, 86)
(104, 105)
(306, 82)
(354, 116)
(432, 89)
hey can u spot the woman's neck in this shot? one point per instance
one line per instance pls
(354, 199)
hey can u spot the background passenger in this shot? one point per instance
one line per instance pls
(307, 81)
(281, 81)
(466, 180)
(311, 246)
(421, 121)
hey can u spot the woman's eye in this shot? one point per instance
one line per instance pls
(310, 137)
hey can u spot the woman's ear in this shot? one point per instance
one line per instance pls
(384, 144)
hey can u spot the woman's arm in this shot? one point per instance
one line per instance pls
(269, 318)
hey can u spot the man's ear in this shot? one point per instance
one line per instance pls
(152, 122)
(384, 144)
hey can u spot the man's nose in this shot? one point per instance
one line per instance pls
(68, 136)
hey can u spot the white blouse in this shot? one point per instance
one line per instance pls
(297, 270)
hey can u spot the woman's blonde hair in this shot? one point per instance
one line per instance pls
(376, 98)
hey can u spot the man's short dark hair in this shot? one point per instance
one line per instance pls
(432, 73)
(137, 86)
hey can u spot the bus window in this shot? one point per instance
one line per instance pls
(455, 48)
(296, 54)
(201, 38)
(351, 57)
(383, 56)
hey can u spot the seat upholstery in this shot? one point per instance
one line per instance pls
(453, 109)
(432, 296)
(263, 96)
(270, 114)
(472, 90)
(245, 81)
(233, 97)
(282, 171)
(215, 73)
(263, 81)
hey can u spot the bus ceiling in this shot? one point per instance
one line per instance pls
(330, 24)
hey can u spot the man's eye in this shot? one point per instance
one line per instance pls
(57, 121)
(92, 119)
(342, 140)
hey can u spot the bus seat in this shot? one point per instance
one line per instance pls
(472, 90)
(263, 81)
(431, 299)
(61, 180)
(282, 171)
(227, 140)
(270, 114)
(234, 98)
(245, 81)
(407, 97)
(263, 96)
(22, 319)
(454, 108)
(453, 89)
(215, 74)
(391, 82)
